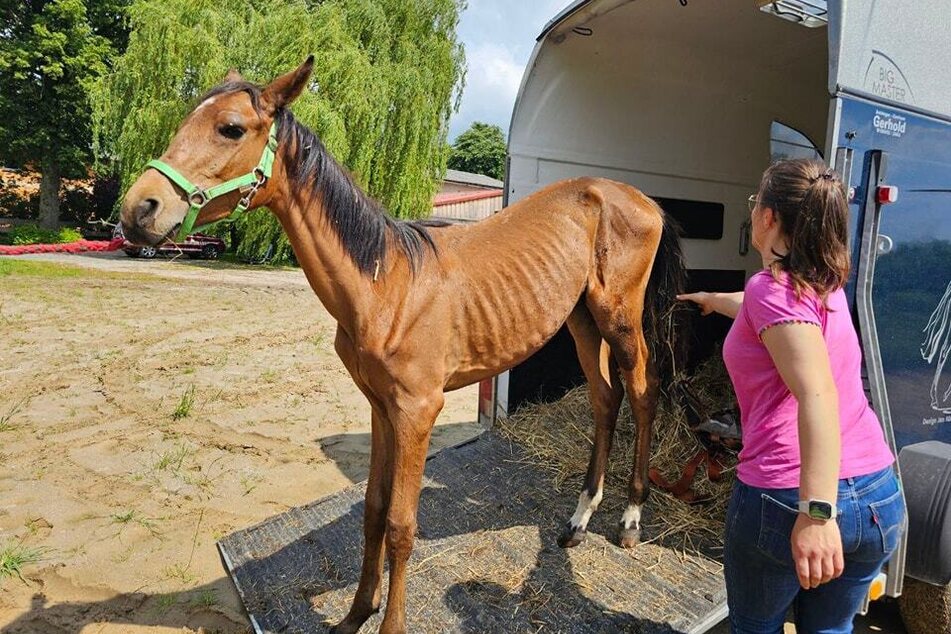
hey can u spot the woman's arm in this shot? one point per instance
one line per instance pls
(801, 356)
(724, 303)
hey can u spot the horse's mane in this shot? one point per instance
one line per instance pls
(361, 223)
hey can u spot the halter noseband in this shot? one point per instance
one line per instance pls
(198, 197)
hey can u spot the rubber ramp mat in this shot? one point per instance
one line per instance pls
(485, 560)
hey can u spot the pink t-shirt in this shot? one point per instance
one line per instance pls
(768, 410)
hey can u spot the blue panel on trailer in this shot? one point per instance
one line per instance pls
(912, 283)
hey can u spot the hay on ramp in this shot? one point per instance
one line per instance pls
(558, 437)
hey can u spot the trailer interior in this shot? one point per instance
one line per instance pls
(688, 101)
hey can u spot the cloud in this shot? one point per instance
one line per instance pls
(492, 82)
(493, 67)
(499, 37)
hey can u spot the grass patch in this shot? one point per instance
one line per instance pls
(10, 267)
(185, 404)
(41, 269)
(250, 482)
(32, 234)
(5, 419)
(200, 480)
(133, 517)
(13, 557)
(124, 556)
(172, 460)
(205, 599)
(180, 573)
(11, 319)
(165, 601)
(229, 260)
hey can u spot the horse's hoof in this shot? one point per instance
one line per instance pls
(571, 537)
(351, 624)
(344, 627)
(629, 537)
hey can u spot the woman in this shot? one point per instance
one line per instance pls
(816, 509)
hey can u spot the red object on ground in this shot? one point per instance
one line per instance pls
(80, 246)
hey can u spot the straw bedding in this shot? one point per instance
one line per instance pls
(558, 438)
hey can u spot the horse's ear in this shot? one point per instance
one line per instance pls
(233, 75)
(286, 88)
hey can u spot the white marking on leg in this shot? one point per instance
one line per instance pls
(632, 515)
(586, 506)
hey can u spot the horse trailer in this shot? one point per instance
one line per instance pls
(689, 101)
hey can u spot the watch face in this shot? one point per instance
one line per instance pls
(820, 510)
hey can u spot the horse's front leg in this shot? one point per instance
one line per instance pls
(412, 425)
(376, 502)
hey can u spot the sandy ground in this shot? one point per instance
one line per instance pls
(122, 497)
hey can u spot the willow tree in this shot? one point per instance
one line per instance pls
(388, 74)
(50, 51)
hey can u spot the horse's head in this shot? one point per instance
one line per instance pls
(222, 139)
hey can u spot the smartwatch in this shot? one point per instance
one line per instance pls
(818, 509)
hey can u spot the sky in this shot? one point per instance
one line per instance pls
(499, 36)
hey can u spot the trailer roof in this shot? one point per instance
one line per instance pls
(564, 13)
(891, 52)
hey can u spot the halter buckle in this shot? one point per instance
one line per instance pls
(199, 197)
(245, 202)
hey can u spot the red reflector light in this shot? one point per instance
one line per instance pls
(887, 194)
(485, 398)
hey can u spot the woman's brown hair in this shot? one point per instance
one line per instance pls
(809, 200)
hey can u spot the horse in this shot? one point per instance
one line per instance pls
(424, 307)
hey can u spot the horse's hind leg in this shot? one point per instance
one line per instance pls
(628, 238)
(623, 330)
(640, 378)
(606, 392)
(376, 502)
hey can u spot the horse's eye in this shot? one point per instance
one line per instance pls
(231, 131)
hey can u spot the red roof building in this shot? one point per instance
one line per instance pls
(467, 197)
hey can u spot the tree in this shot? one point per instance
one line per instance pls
(50, 52)
(480, 150)
(387, 76)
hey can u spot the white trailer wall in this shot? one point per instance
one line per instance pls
(676, 100)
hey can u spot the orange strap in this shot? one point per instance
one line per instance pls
(681, 489)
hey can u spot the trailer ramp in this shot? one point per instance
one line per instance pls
(485, 560)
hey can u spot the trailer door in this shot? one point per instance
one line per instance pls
(908, 298)
(912, 298)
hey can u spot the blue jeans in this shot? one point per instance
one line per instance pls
(761, 579)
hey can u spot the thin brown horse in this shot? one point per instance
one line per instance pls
(424, 308)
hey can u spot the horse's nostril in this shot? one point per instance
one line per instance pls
(146, 208)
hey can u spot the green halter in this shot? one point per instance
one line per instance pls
(198, 197)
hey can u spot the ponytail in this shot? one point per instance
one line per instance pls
(809, 200)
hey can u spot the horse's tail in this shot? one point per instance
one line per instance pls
(664, 324)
